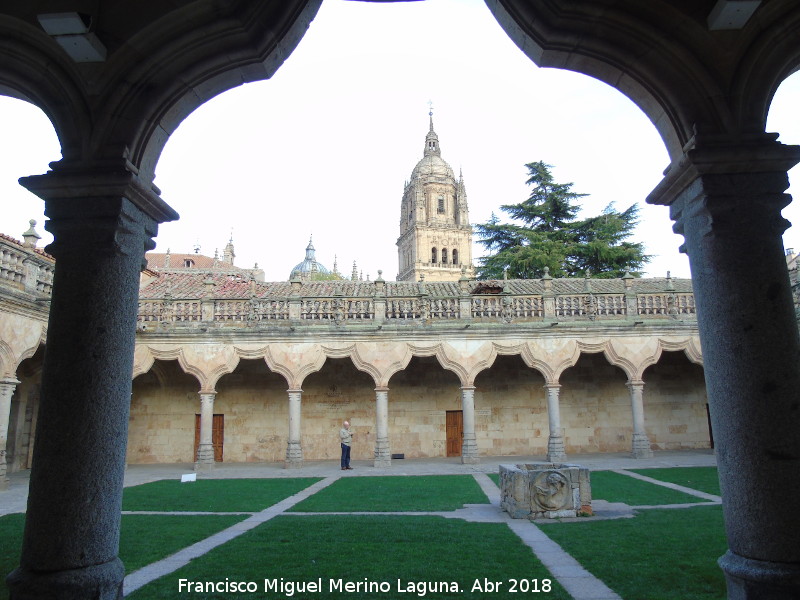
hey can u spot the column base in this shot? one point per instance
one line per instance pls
(99, 582)
(750, 579)
(383, 456)
(202, 467)
(469, 453)
(294, 455)
(640, 448)
(555, 449)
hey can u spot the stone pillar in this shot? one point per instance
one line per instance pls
(204, 461)
(7, 387)
(294, 448)
(383, 456)
(102, 221)
(640, 445)
(469, 447)
(555, 441)
(726, 197)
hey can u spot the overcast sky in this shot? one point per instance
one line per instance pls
(326, 145)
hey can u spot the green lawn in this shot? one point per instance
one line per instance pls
(212, 495)
(614, 487)
(658, 555)
(395, 493)
(704, 479)
(143, 538)
(495, 477)
(372, 548)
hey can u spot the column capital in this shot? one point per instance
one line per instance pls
(552, 386)
(207, 393)
(467, 388)
(723, 155)
(381, 388)
(634, 383)
(101, 179)
(9, 381)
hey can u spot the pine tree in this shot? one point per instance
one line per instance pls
(548, 234)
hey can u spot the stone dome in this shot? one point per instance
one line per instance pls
(432, 165)
(309, 267)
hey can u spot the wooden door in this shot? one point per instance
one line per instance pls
(454, 426)
(217, 435)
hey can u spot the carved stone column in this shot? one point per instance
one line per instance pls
(555, 441)
(7, 387)
(102, 220)
(294, 448)
(640, 444)
(383, 456)
(469, 447)
(726, 200)
(204, 461)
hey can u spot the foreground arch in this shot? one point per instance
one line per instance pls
(706, 91)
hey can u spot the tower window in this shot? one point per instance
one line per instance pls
(455, 257)
(440, 208)
(444, 256)
(433, 255)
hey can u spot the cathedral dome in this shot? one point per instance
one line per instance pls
(432, 165)
(309, 268)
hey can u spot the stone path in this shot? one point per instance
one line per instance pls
(672, 486)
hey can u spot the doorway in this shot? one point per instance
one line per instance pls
(454, 428)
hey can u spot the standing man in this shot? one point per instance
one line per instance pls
(346, 437)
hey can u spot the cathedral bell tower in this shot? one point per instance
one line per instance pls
(435, 235)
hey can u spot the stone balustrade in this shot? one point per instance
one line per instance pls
(424, 307)
(25, 268)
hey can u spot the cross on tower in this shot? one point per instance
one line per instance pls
(430, 108)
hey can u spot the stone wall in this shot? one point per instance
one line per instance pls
(675, 404)
(510, 409)
(595, 407)
(162, 422)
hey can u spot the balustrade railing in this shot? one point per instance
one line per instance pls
(24, 268)
(339, 310)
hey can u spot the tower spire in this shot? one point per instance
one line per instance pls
(432, 140)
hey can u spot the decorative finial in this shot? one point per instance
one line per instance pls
(430, 108)
(30, 237)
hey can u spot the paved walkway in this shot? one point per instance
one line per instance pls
(578, 582)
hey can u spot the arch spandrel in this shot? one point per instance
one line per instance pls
(20, 337)
(690, 346)
(295, 361)
(206, 362)
(380, 360)
(466, 358)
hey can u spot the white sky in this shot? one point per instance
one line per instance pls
(325, 146)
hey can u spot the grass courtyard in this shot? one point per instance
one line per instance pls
(657, 554)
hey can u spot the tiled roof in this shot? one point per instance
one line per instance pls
(191, 285)
(157, 260)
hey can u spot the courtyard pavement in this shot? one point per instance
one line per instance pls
(578, 582)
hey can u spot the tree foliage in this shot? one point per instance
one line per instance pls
(545, 232)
